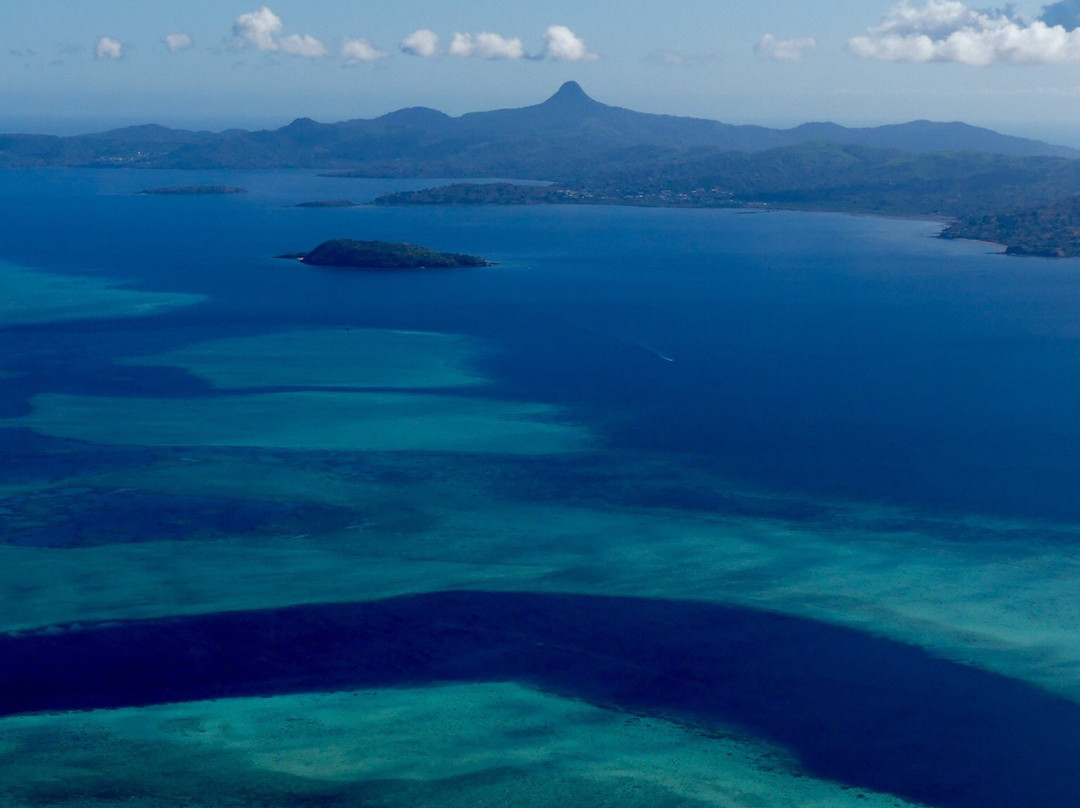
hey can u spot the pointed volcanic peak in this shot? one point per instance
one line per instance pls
(566, 110)
(571, 99)
(538, 141)
(572, 113)
(581, 122)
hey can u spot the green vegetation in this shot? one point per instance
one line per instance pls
(1051, 230)
(593, 153)
(1044, 216)
(383, 255)
(495, 193)
(813, 176)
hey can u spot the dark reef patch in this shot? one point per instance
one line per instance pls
(855, 708)
(86, 517)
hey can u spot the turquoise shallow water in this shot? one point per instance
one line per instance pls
(809, 348)
(836, 419)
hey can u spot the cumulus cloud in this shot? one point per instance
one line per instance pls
(421, 43)
(560, 44)
(260, 28)
(950, 31)
(360, 50)
(486, 45)
(305, 45)
(785, 50)
(178, 42)
(462, 45)
(563, 45)
(1066, 14)
(263, 29)
(109, 48)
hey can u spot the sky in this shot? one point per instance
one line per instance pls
(85, 65)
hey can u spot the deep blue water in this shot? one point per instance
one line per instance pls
(814, 353)
(804, 359)
(848, 703)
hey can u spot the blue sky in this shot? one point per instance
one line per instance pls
(85, 64)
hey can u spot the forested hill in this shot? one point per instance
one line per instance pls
(550, 140)
(1005, 188)
(1051, 230)
(810, 176)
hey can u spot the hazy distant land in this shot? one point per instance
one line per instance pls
(1050, 229)
(1000, 188)
(195, 190)
(494, 193)
(327, 203)
(554, 140)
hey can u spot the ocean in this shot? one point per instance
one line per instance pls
(668, 507)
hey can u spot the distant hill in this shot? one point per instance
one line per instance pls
(828, 176)
(930, 136)
(1003, 188)
(552, 140)
(808, 176)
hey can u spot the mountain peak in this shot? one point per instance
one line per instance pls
(570, 97)
(571, 89)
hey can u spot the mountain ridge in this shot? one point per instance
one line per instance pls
(569, 128)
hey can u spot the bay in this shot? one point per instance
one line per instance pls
(840, 419)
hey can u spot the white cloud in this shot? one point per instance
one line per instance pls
(263, 29)
(421, 43)
(486, 45)
(560, 44)
(259, 28)
(462, 45)
(563, 45)
(178, 42)
(785, 50)
(360, 50)
(950, 31)
(109, 48)
(305, 45)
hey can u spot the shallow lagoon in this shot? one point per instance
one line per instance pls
(834, 418)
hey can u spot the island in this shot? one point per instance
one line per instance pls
(492, 193)
(327, 203)
(195, 190)
(345, 252)
(577, 150)
(503, 193)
